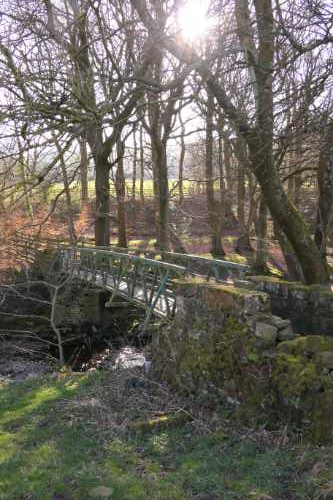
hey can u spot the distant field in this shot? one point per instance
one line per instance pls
(190, 188)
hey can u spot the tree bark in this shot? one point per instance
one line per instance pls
(243, 244)
(24, 182)
(215, 228)
(181, 161)
(221, 176)
(325, 188)
(135, 153)
(158, 132)
(102, 187)
(120, 193)
(229, 214)
(84, 172)
(142, 171)
(260, 264)
(289, 255)
(163, 195)
(71, 226)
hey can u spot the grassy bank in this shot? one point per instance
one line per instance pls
(72, 437)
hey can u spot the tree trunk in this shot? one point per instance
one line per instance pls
(142, 171)
(181, 161)
(22, 169)
(291, 179)
(289, 255)
(221, 177)
(213, 220)
(154, 160)
(325, 188)
(260, 264)
(102, 187)
(229, 215)
(298, 163)
(163, 196)
(24, 184)
(120, 194)
(159, 140)
(240, 188)
(135, 153)
(71, 226)
(84, 172)
(176, 241)
(243, 244)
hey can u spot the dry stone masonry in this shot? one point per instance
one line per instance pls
(225, 344)
(309, 307)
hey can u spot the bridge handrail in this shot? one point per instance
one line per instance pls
(206, 260)
(212, 264)
(125, 256)
(130, 273)
(183, 256)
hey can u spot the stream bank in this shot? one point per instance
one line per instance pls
(93, 336)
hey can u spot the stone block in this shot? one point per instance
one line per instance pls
(266, 332)
(326, 359)
(180, 305)
(275, 319)
(255, 303)
(244, 284)
(281, 323)
(286, 333)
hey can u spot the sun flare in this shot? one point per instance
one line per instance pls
(193, 20)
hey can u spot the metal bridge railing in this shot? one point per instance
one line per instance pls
(143, 277)
(145, 282)
(196, 265)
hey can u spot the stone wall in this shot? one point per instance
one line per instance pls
(310, 308)
(79, 303)
(225, 344)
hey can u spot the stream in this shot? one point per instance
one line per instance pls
(89, 350)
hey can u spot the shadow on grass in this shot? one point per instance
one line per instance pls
(49, 451)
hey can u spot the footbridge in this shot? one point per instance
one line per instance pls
(146, 278)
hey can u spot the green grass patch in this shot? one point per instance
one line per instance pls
(189, 188)
(53, 444)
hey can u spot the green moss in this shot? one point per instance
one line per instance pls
(213, 352)
(321, 429)
(292, 285)
(322, 291)
(304, 387)
(308, 346)
(204, 284)
(295, 376)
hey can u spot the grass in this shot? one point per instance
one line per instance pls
(148, 189)
(63, 437)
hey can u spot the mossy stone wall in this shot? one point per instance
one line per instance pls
(310, 308)
(225, 344)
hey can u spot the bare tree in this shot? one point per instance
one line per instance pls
(258, 56)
